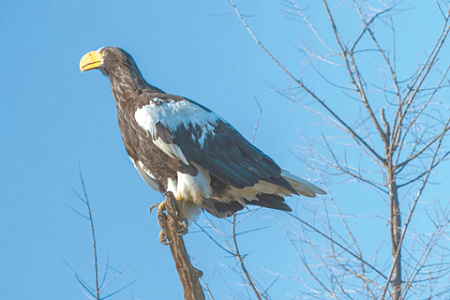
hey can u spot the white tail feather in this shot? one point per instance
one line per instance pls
(302, 186)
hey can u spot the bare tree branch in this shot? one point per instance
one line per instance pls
(400, 141)
(171, 234)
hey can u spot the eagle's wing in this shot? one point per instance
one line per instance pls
(227, 155)
(190, 132)
(186, 130)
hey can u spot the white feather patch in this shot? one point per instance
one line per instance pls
(173, 115)
(172, 186)
(171, 149)
(302, 186)
(188, 205)
(250, 193)
(191, 188)
(195, 188)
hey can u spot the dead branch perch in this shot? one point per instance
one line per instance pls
(171, 234)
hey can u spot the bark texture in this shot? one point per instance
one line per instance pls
(172, 235)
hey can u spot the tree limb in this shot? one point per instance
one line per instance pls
(171, 234)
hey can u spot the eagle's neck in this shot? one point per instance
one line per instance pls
(126, 86)
(126, 83)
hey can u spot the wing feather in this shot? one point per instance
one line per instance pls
(190, 132)
(227, 155)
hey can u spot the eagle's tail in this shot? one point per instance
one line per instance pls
(302, 186)
(264, 193)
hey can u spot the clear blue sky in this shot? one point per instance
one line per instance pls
(55, 121)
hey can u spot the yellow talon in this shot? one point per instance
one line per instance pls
(163, 238)
(161, 207)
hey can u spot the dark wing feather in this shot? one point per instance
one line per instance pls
(164, 133)
(222, 210)
(228, 156)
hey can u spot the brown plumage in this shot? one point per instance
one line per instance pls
(180, 146)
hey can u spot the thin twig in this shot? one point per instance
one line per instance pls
(338, 244)
(241, 260)
(257, 120)
(94, 243)
(306, 89)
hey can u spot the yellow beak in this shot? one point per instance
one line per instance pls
(91, 60)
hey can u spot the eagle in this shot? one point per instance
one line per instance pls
(180, 146)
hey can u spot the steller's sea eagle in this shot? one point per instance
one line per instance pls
(180, 146)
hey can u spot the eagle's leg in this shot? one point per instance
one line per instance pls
(171, 207)
(161, 207)
(184, 224)
(182, 227)
(162, 238)
(162, 220)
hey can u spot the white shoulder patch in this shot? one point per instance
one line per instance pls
(173, 115)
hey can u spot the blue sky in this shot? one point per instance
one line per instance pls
(57, 121)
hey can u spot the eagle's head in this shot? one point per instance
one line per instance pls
(109, 60)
